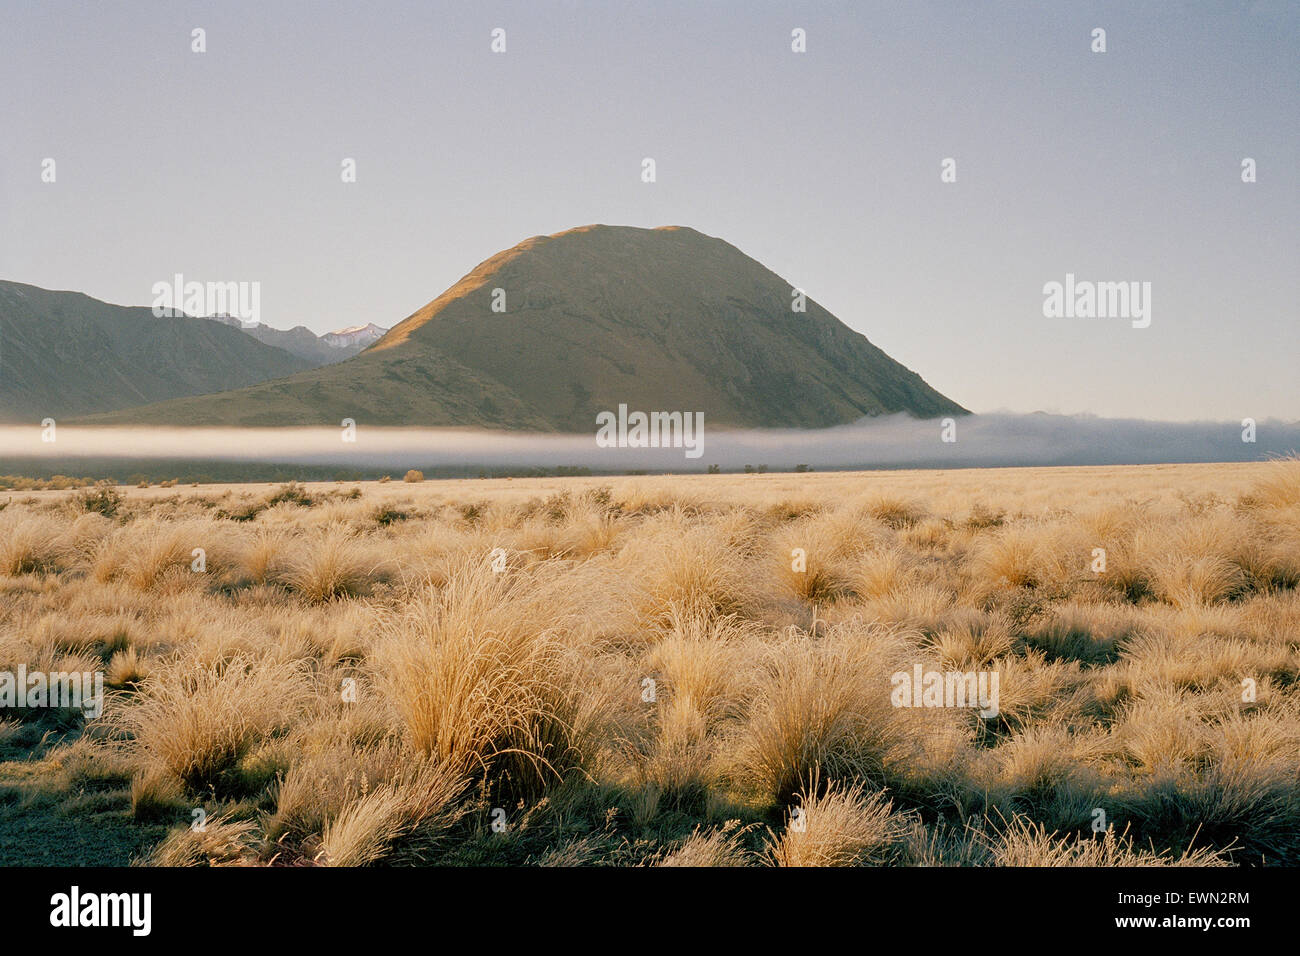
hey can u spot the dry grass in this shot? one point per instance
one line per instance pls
(416, 799)
(475, 672)
(720, 848)
(822, 706)
(330, 565)
(31, 543)
(841, 826)
(198, 720)
(654, 671)
(1025, 843)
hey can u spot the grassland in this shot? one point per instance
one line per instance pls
(661, 671)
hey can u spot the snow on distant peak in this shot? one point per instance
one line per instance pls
(354, 335)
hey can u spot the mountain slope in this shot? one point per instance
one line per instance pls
(658, 319)
(65, 354)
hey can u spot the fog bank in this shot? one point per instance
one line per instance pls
(888, 442)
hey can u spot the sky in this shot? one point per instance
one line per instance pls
(823, 165)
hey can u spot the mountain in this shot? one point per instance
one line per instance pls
(661, 319)
(304, 343)
(65, 354)
(354, 336)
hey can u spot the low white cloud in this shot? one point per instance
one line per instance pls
(888, 442)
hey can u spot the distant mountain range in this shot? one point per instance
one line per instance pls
(306, 344)
(64, 354)
(354, 336)
(542, 336)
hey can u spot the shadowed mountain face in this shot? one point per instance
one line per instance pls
(657, 319)
(66, 354)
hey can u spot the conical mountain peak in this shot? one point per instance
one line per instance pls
(548, 333)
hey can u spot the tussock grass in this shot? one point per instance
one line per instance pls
(822, 710)
(1025, 843)
(640, 675)
(126, 668)
(1280, 486)
(156, 796)
(476, 673)
(198, 720)
(223, 841)
(840, 826)
(330, 565)
(882, 572)
(416, 800)
(719, 848)
(262, 557)
(681, 564)
(148, 552)
(30, 543)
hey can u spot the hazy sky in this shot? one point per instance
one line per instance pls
(824, 166)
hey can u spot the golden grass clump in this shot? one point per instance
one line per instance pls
(417, 800)
(198, 720)
(30, 543)
(262, 557)
(223, 841)
(680, 564)
(1279, 487)
(329, 565)
(882, 572)
(813, 556)
(1025, 843)
(840, 826)
(718, 848)
(148, 552)
(476, 673)
(823, 707)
